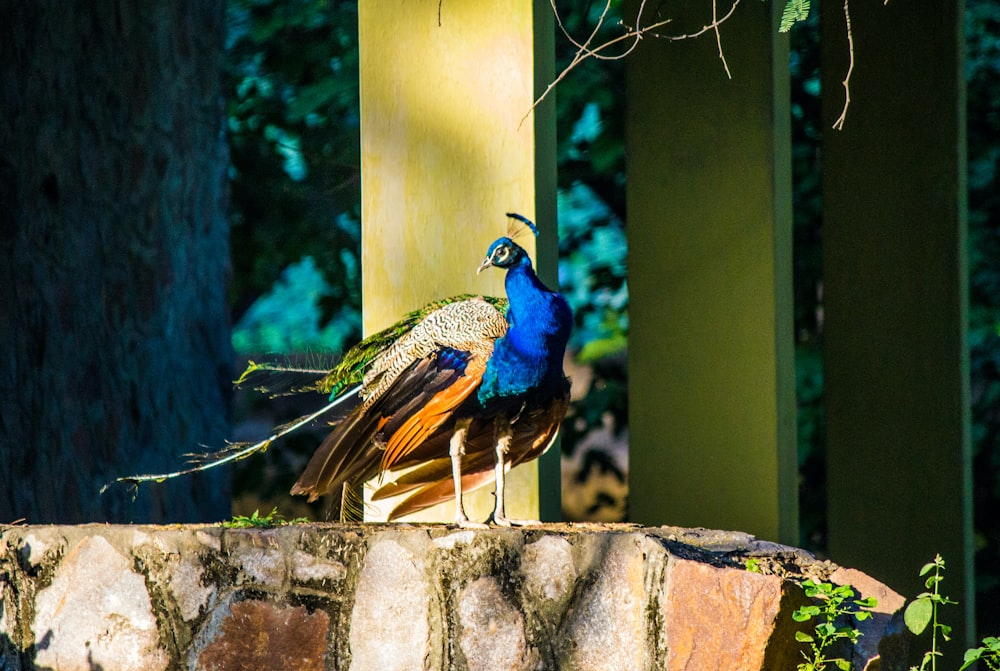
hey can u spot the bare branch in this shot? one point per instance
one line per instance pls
(718, 36)
(585, 45)
(633, 35)
(712, 26)
(839, 123)
(584, 51)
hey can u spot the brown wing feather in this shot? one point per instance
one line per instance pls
(438, 492)
(428, 419)
(534, 432)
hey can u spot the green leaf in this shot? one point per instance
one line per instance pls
(795, 11)
(918, 614)
(805, 613)
(927, 568)
(803, 637)
(972, 656)
(842, 664)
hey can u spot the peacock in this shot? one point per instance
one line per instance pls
(458, 392)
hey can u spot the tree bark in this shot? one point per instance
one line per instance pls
(115, 351)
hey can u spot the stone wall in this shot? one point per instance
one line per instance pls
(387, 597)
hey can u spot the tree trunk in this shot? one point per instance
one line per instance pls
(115, 339)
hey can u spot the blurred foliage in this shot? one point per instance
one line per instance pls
(288, 317)
(590, 113)
(294, 137)
(292, 108)
(807, 208)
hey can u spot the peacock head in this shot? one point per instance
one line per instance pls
(504, 253)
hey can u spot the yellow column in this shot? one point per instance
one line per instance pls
(711, 369)
(448, 145)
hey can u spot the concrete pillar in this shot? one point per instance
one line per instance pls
(448, 146)
(711, 365)
(895, 267)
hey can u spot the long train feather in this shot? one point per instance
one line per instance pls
(284, 378)
(228, 456)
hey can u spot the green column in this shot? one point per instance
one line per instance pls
(711, 369)
(444, 90)
(894, 266)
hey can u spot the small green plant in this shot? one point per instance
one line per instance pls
(258, 521)
(988, 653)
(836, 603)
(753, 565)
(923, 611)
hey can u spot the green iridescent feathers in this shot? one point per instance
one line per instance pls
(351, 368)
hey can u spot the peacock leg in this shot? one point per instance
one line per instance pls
(502, 435)
(456, 448)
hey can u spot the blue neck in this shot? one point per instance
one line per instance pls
(528, 358)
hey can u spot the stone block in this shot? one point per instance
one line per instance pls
(390, 623)
(96, 613)
(606, 627)
(491, 630)
(263, 635)
(718, 618)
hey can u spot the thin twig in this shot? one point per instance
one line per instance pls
(584, 51)
(714, 25)
(597, 27)
(718, 37)
(839, 123)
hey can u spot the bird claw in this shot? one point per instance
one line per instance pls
(462, 521)
(469, 524)
(501, 521)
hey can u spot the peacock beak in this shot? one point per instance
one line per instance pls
(485, 264)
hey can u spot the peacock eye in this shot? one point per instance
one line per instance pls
(501, 253)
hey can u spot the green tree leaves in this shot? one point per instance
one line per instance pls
(795, 11)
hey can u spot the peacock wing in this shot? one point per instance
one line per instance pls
(358, 360)
(345, 455)
(410, 390)
(470, 325)
(354, 449)
(537, 427)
